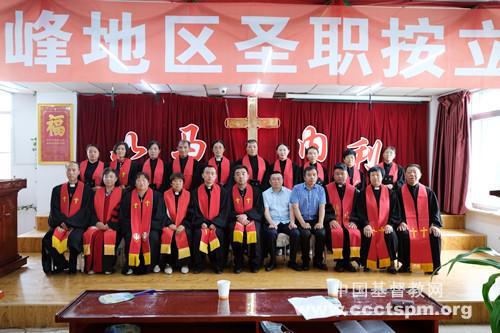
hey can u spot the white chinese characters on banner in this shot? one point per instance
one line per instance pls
(51, 41)
(132, 140)
(105, 42)
(327, 28)
(492, 68)
(422, 54)
(364, 152)
(266, 55)
(312, 138)
(197, 45)
(197, 147)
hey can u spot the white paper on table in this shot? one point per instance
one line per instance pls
(349, 326)
(315, 307)
(376, 326)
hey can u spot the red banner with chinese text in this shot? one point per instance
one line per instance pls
(180, 43)
(55, 133)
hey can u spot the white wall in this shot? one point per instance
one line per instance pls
(41, 178)
(433, 109)
(485, 223)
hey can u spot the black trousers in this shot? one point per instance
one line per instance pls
(154, 246)
(305, 245)
(254, 250)
(271, 235)
(391, 242)
(53, 260)
(216, 257)
(172, 259)
(404, 248)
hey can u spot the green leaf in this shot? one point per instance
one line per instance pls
(495, 316)
(481, 262)
(460, 257)
(486, 291)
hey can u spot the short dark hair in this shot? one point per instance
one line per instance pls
(275, 173)
(348, 152)
(238, 167)
(251, 141)
(176, 175)
(92, 145)
(282, 144)
(340, 166)
(312, 147)
(218, 141)
(390, 148)
(141, 174)
(414, 165)
(154, 142)
(309, 168)
(376, 168)
(108, 171)
(121, 143)
(209, 166)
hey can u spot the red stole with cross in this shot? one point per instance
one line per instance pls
(188, 170)
(209, 239)
(356, 176)
(124, 170)
(418, 227)
(225, 169)
(319, 168)
(343, 209)
(287, 174)
(140, 214)
(68, 208)
(392, 172)
(157, 178)
(177, 215)
(262, 167)
(96, 176)
(103, 206)
(378, 216)
(241, 205)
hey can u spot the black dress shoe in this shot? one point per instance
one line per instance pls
(197, 270)
(294, 266)
(321, 266)
(404, 269)
(339, 267)
(305, 266)
(254, 269)
(366, 269)
(219, 270)
(350, 268)
(237, 270)
(391, 270)
(270, 267)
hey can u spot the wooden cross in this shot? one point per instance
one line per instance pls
(252, 122)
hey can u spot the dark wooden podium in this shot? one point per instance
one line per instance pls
(9, 257)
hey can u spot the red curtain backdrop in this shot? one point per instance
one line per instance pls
(159, 117)
(450, 170)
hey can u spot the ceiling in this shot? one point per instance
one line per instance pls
(230, 90)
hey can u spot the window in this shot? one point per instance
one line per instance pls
(5, 134)
(485, 147)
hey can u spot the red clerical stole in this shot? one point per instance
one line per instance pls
(177, 215)
(68, 208)
(319, 168)
(378, 216)
(356, 176)
(241, 205)
(418, 227)
(188, 170)
(124, 170)
(141, 214)
(287, 174)
(262, 167)
(209, 236)
(157, 178)
(225, 169)
(96, 176)
(343, 209)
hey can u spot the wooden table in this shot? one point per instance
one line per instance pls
(201, 311)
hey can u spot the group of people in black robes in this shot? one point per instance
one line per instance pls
(174, 215)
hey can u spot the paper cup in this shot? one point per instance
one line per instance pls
(223, 288)
(223, 307)
(332, 286)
